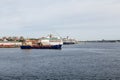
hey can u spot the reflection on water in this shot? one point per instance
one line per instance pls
(90, 61)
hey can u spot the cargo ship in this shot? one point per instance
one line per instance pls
(49, 42)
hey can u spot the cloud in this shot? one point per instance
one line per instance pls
(74, 17)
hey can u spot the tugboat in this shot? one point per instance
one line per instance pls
(49, 42)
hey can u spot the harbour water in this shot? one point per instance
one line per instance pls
(85, 61)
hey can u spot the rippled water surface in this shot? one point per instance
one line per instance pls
(85, 61)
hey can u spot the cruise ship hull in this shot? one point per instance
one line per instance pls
(42, 47)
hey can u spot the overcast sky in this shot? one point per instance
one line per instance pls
(80, 19)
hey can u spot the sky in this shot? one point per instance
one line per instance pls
(79, 19)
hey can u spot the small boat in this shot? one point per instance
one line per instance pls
(49, 42)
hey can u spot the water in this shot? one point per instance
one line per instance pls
(85, 61)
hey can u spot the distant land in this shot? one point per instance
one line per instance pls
(21, 39)
(101, 41)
